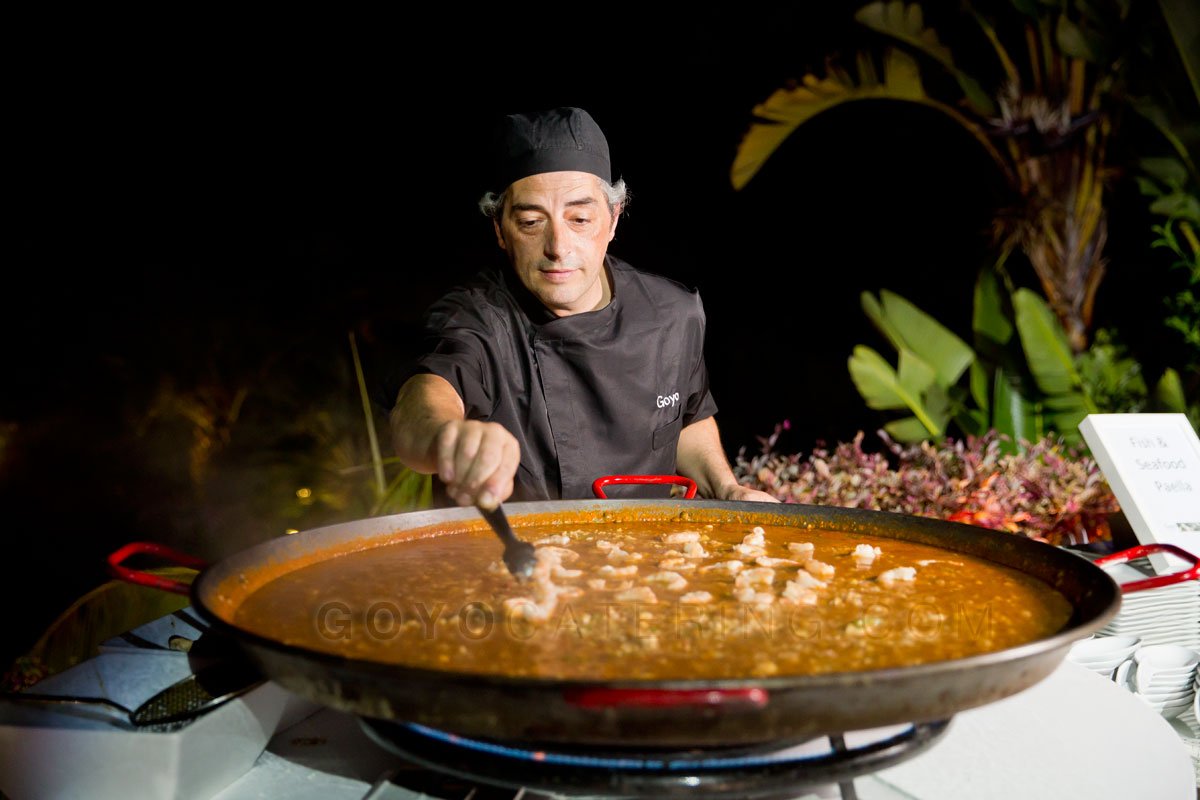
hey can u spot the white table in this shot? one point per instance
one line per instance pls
(1074, 735)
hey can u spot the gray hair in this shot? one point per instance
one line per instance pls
(492, 204)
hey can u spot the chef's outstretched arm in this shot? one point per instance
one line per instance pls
(476, 460)
(700, 457)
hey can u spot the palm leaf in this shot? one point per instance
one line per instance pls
(1010, 69)
(1171, 172)
(874, 312)
(882, 388)
(979, 387)
(1012, 413)
(1178, 134)
(1168, 394)
(876, 380)
(906, 24)
(989, 320)
(1046, 348)
(937, 346)
(1065, 412)
(914, 374)
(907, 430)
(1073, 41)
(789, 108)
(1183, 22)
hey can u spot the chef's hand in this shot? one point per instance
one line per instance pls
(477, 461)
(738, 492)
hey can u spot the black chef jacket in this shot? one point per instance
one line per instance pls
(590, 394)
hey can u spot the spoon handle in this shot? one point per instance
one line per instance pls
(499, 522)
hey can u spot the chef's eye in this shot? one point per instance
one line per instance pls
(527, 223)
(581, 220)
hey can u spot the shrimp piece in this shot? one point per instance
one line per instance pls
(596, 583)
(676, 562)
(766, 561)
(746, 594)
(894, 576)
(864, 554)
(497, 568)
(761, 576)
(749, 550)
(695, 550)
(640, 594)
(696, 598)
(681, 537)
(619, 556)
(820, 569)
(673, 581)
(558, 538)
(543, 590)
(755, 538)
(561, 574)
(609, 571)
(801, 550)
(732, 567)
(620, 586)
(526, 609)
(806, 581)
(797, 594)
(604, 546)
(564, 555)
(569, 592)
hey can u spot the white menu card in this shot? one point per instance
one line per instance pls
(1152, 463)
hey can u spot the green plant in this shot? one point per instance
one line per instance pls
(1065, 68)
(1021, 378)
(347, 476)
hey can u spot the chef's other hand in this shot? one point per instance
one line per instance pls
(744, 493)
(477, 461)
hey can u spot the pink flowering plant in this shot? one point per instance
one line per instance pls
(1045, 490)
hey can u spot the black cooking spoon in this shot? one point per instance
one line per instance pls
(518, 555)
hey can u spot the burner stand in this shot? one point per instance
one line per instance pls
(720, 773)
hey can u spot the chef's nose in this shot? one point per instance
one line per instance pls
(555, 243)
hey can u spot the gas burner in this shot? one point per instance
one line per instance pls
(721, 773)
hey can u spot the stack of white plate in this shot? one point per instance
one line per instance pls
(1103, 654)
(1169, 615)
(1162, 676)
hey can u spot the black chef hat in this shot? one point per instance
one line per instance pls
(556, 140)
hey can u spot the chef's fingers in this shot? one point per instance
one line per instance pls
(489, 462)
(447, 439)
(470, 440)
(500, 484)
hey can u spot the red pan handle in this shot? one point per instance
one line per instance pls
(616, 480)
(145, 578)
(1191, 573)
(664, 698)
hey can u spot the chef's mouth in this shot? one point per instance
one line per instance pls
(557, 275)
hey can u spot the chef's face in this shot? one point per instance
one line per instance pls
(555, 228)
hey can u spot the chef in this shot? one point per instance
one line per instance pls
(564, 363)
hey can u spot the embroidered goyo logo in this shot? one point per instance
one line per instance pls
(669, 400)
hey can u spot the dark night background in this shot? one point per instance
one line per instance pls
(196, 197)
